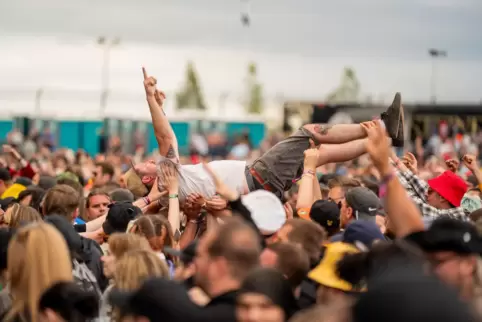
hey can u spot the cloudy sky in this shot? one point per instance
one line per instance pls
(300, 46)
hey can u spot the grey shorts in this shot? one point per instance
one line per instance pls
(283, 163)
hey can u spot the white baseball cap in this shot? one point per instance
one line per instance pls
(266, 210)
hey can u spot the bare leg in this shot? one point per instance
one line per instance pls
(334, 153)
(337, 133)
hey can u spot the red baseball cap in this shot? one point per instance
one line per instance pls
(449, 186)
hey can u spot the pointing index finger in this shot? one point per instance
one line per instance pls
(144, 73)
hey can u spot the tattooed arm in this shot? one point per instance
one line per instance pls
(165, 137)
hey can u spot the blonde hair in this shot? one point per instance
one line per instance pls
(135, 266)
(37, 258)
(19, 215)
(120, 243)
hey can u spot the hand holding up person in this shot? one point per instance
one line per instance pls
(170, 179)
(378, 149)
(311, 157)
(155, 194)
(221, 188)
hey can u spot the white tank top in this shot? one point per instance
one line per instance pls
(193, 178)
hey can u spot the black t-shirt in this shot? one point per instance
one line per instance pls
(222, 307)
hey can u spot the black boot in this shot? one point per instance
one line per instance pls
(394, 121)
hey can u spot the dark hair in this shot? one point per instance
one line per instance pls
(70, 302)
(110, 186)
(120, 194)
(71, 183)
(273, 285)
(344, 182)
(370, 184)
(106, 168)
(47, 182)
(37, 194)
(239, 244)
(309, 235)
(358, 268)
(61, 200)
(5, 236)
(95, 192)
(293, 263)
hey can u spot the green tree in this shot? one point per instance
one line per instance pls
(348, 90)
(255, 91)
(191, 95)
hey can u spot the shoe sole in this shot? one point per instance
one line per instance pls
(400, 139)
(397, 105)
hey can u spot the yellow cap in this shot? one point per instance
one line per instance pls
(325, 273)
(13, 191)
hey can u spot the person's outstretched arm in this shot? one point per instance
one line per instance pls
(165, 137)
(400, 209)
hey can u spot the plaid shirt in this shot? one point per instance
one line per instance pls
(417, 190)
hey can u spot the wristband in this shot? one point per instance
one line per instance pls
(382, 190)
(147, 200)
(309, 172)
(173, 196)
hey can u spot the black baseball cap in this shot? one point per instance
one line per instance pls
(119, 216)
(364, 202)
(448, 234)
(7, 202)
(326, 213)
(186, 255)
(154, 300)
(24, 181)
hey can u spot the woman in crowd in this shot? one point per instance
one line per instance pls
(38, 258)
(119, 244)
(157, 230)
(19, 215)
(135, 266)
(32, 196)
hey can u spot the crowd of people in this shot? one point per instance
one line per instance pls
(327, 224)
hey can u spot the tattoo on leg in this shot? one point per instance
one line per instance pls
(322, 128)
(171, 154)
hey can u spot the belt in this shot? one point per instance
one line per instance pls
(257, 177)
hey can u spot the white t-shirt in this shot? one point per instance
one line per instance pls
(194, 179)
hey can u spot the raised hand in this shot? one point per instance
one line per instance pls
(470, 161)
(377, 147)
(453, 165)
(149, 84)
(160, 97)
(221, 188)
(410, 162)
(311, 157)
(368, 125)
(170, 180)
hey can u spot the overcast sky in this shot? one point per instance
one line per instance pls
(301, 46)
